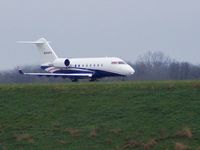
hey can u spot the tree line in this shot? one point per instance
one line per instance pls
(158, 66)
(150, 66)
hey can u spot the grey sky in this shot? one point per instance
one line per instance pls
(87, 28)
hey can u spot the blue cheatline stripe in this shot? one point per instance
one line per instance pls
(96, 73)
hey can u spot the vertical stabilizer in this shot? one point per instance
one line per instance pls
(46, 52)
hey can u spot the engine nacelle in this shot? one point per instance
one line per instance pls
(61, 62)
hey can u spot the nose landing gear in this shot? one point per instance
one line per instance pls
(74, 79)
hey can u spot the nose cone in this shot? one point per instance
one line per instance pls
(129, 70)
(132, 71)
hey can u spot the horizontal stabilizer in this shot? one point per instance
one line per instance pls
(33, 42)
(30, 42)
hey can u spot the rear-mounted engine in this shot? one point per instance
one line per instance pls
(61, 62)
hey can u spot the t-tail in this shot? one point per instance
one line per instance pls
(47, 53)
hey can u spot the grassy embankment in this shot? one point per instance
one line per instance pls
(101, 116)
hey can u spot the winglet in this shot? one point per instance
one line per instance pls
(21, 72)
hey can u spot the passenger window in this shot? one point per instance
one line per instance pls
(75, 66)
(97, 65)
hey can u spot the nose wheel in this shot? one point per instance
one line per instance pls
(74, 80)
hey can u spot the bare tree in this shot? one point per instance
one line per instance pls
(152, 66)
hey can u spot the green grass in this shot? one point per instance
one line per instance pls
(100, 116)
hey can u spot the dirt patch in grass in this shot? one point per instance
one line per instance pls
(73, 132)
(62, 142)
(24, 137)
(116, 131)
(93, 132)
(150, 144)
(180, 146)
(185, 132)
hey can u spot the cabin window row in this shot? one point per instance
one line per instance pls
(90, 65)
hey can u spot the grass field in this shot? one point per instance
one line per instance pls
(101, 116)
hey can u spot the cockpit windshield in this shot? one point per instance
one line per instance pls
(121, 62)
(118, 62)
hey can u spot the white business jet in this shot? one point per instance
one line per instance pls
(77, 68)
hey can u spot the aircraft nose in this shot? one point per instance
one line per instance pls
(130, 70)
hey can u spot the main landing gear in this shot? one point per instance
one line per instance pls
(93, 80)
(76, 80)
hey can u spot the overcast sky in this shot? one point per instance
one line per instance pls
(95, 28)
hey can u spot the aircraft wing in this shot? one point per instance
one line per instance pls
(82, 75)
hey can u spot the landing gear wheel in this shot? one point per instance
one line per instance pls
(74, 80)
(93, 79)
